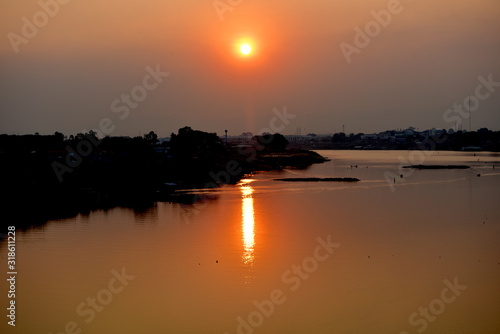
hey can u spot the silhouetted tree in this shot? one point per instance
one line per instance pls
(271, 142)
(188, 143)
(151, 138)
(339, 138)
(483, 131)
(59, 137)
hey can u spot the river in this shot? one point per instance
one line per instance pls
(389, 254)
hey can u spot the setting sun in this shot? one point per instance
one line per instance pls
(245, 49)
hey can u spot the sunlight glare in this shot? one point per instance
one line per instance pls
(248, 222)
(245, 49)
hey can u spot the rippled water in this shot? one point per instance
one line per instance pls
(389, 254)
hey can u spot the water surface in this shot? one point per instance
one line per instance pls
(204, 268)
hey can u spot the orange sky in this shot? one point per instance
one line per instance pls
(65, 78)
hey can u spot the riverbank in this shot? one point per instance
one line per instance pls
(134, 180)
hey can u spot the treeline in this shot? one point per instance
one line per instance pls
(50, 177)
(392, 140)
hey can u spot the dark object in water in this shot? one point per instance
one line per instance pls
(437, 166)
(478, 175)
(318, 179)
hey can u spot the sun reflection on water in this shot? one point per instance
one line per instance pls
(247, 222)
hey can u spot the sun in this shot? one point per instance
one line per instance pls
(245, 49)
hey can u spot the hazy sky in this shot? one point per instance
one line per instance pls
(423, 57)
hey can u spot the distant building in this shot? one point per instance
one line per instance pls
(370, 136)
(164, 140)
(243, 139)
(298, 139)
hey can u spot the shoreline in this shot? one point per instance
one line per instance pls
(67, 200)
